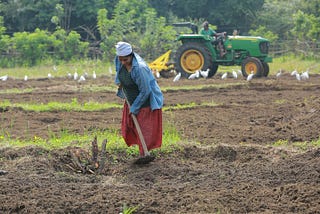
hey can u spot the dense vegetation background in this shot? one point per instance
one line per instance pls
(32, 32)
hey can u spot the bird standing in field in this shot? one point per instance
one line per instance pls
(234, 74)
(157, 74)
(194, 75)
(224, 76)
(279, 73)
(4, 78)
(25, 78)
(205, 73)
(294, 72)
(250, 76)
(82, 79)
(177, 77)
(94, 76)
(75, 75)
(305, 75)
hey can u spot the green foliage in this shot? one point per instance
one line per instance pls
(134, 22)
(30, 49)
(262, 31)
(157, 37)
(306, 26)
(2, 27)
(129, 210)
(32, 46)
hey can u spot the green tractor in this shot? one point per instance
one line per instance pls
(200, 52)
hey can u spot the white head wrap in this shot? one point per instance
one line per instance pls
(123, 49)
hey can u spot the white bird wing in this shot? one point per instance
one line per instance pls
(235, 75)
(192, 76)
(204, 73)
(75, 76)
(224, 76)
(294, 72)
(250, 76)
(82, 78)
(4, 78)
(197, 74)
(157, 74)
(177, 77)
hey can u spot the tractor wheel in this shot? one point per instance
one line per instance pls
(266, 69)
(252, 64)
(213, 70)
(191, 57)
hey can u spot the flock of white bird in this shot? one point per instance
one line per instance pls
(235, 74)
(75, 76)
(200, 73)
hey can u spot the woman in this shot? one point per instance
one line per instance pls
(136, 81)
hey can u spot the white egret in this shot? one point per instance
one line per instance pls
(177, 77)
(94, 76)
(4, 78)
(75, 75)
(82, 79)
(279, 73)
(205, 73)
(298, 77)
(25, 78)
(294, 72)
(305, 75)
(69, 75)
(224, 76)
(234, 74)
(194, 75)
(250, 76)
(157, 74)
(50, 76)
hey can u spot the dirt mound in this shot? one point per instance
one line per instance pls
(228, 162)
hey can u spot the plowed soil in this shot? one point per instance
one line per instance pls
(228, 163)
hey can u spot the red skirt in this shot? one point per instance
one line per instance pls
(150, 124)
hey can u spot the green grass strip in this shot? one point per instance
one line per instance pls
(115, 141)
(299, 145)
(74, 105)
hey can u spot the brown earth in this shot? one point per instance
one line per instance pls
(228, 163)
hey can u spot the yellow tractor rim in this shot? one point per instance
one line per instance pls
(191, 61)
(251, 66)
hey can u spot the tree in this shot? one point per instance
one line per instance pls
(135, 22)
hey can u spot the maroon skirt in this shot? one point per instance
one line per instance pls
(150, 124)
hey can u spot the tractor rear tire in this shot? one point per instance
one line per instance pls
(213, 70)
(252, 64)
(191, 57)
